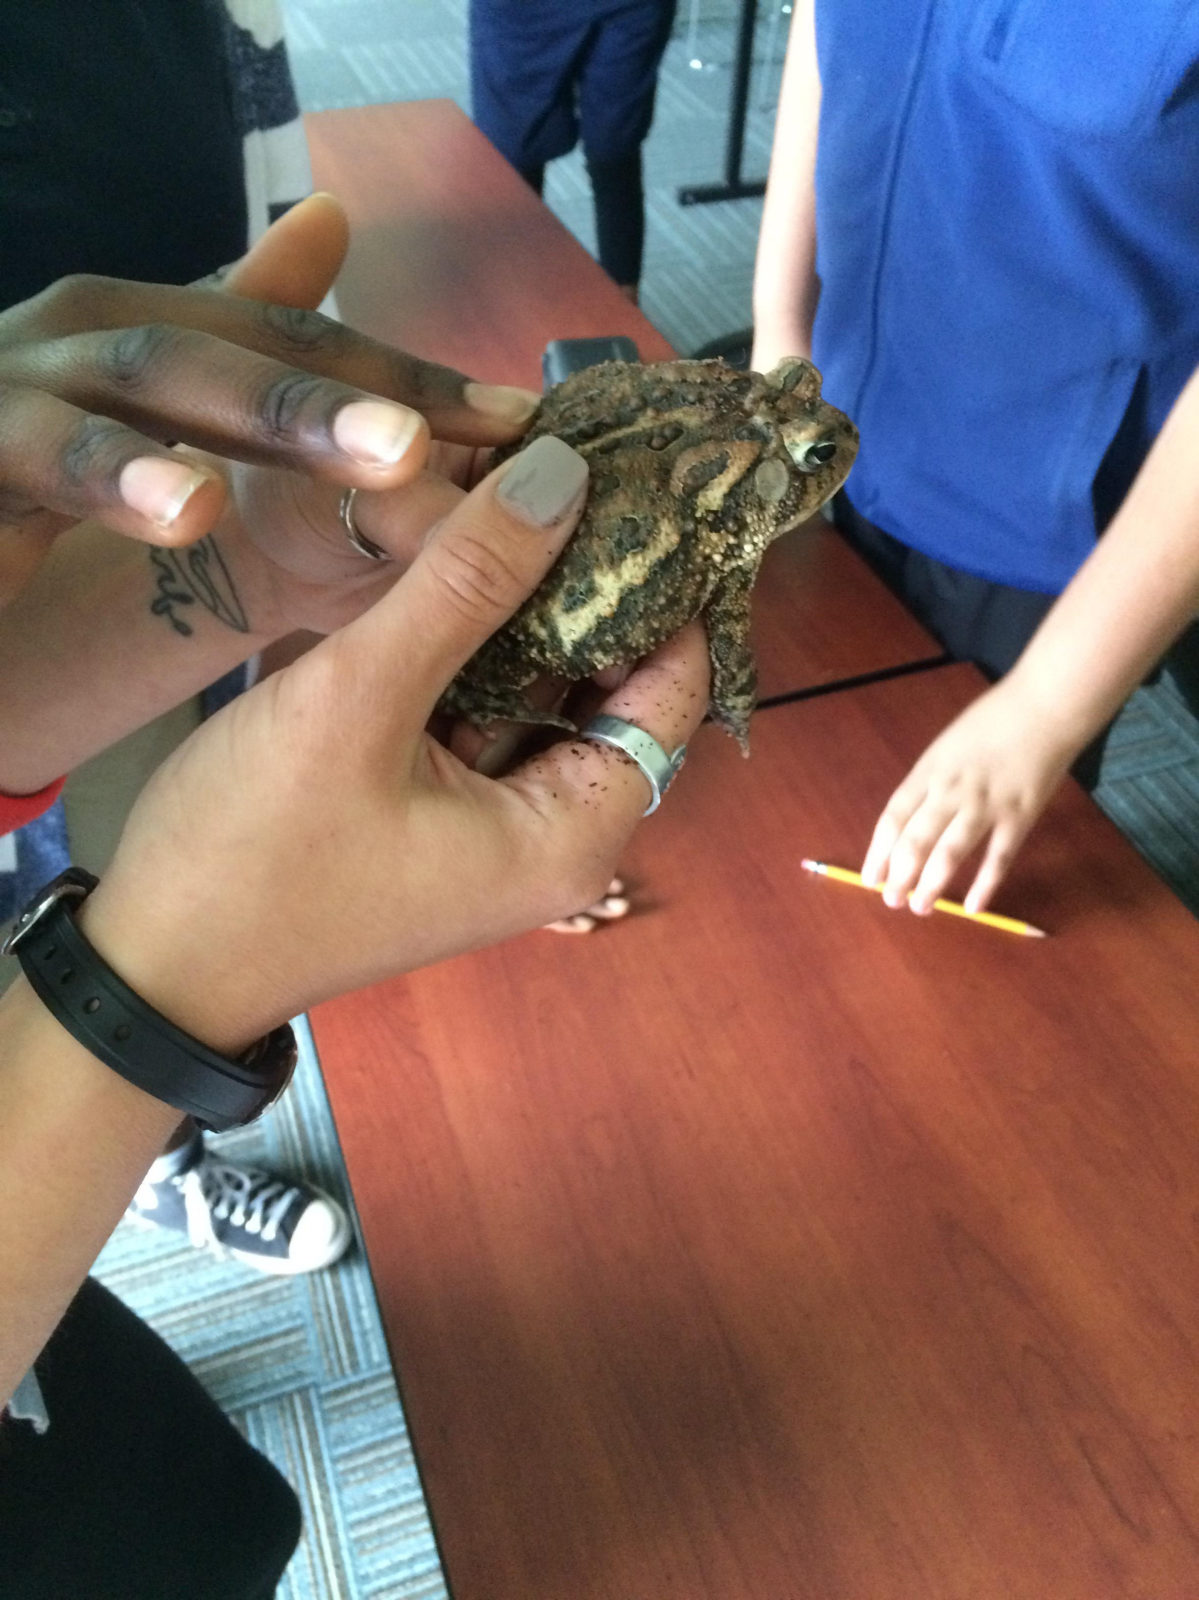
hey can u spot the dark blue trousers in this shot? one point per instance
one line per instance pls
(547, 74)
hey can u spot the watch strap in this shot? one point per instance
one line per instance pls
(104, 1014)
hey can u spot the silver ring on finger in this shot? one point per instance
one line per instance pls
(657, 768)
(363, 545)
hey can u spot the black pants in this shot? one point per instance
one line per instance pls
(984, 622)
(618, 192)
(141, 1489)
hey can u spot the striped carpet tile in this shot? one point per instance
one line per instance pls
(1150, 784)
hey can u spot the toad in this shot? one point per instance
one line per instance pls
(695, 468)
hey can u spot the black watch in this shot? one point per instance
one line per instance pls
(84, 994)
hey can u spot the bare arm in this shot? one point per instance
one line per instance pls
(56, 1214)
(1134, 595)
(785, 283)
(993, 770)
(109, 634)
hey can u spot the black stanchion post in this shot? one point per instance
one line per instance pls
(734, 186)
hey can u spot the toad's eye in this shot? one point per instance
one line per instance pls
(811, 454)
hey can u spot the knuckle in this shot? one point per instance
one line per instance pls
(919, 837)
(423, 383)
(307, 705)
(903, 803)
(78, 298)
(327, 673)
(282, 403)
(592, 885)
(475, 578)
(939, 868)
(295, 330)
(944, 789)
(907, 858)
(404, 371)
(90, 448)
(20, 415)
(892, 818)
(969, 822)
(129, 357)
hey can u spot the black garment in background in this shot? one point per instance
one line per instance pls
(619, 196)
(119, 152)
(988, 623)
(141, 1489)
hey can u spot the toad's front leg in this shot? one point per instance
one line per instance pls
(734, 676)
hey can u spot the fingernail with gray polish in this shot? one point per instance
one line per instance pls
(544, 482)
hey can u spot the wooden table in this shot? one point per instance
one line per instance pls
(772, 1244)
(454, 258)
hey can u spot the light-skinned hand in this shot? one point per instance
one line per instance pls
(987, 777)
(314, 836)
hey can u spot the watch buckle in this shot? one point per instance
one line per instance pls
(73, 884)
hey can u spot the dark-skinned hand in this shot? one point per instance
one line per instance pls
(99, 378)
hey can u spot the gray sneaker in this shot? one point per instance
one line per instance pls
(262, 1220)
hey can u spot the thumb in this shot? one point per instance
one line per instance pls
(298, 257)
(481, 563)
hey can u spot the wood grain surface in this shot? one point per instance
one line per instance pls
(454, 258)
(452, 255)
(774, 1245)
(820, 616)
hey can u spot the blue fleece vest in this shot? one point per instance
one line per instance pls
(1008, 243)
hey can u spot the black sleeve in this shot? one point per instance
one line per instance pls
(119, 150)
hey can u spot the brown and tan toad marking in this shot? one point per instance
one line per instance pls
(695, 468)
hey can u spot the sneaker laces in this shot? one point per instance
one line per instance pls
(214, 1191)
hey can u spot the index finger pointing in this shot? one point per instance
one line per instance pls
(456, 407)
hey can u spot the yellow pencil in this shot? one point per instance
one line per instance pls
(990, 918)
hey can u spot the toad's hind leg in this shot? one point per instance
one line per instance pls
(482, 706)
(492, 689)
(734, 678)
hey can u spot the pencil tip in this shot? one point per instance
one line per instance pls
(808, 864)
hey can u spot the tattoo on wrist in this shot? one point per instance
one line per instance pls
(198, 573)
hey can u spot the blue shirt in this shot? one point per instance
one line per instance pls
(1008, 244)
